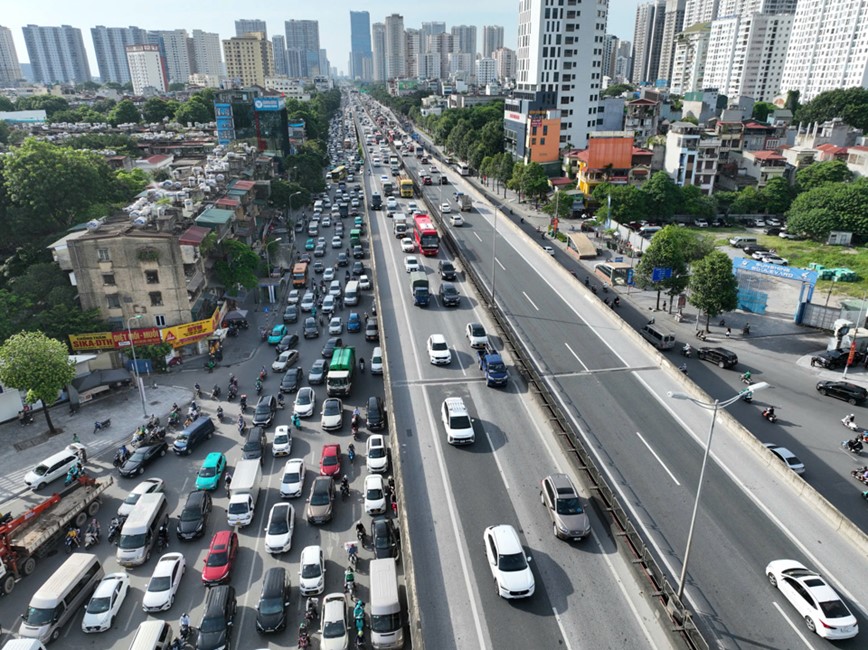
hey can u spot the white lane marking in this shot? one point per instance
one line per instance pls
(475, 234)
(797, 630)
(659, 460)
(573, 352)
(527, 297)
(502, 267)
(564, 635)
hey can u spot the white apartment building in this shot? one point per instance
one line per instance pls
(146, 68)
(461, 65)
(177, 53)
(290, 88)
(430, 66)
(378, 49)
(691, 157)
(828, 47)
(560, 54)
(396, 57)
(413, 51)
(492, 39)
(204, 80)
(688, 64)
(700, 11)
(206, 49)
(10, 70)
(486, 71)
(673, 23)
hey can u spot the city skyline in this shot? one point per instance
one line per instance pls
(334, 19)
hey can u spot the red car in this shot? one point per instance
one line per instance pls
(221, 555)
(330, 463)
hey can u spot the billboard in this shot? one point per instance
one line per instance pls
(269, 104)
(225, 123)
(114, 340)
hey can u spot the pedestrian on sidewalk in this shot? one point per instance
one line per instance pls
(728, 332)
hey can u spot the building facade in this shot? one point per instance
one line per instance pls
(361, 53)
(206, 53)
(700, 11)
(673, 23)
(691, 156)
(250, 26)
(249, 59)
(492, 39)
(302, 46)
(396, 62)
(504, 59)
(10, 69)
(176, 47)
(378, 51)
(486, 71)
(415, 66)
(688, 64)
(828, 48)
(56, 54)
(110, 47)
(146, 67)
(464, 39)
(278, 52)
(647, 40)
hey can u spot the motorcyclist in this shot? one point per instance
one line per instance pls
(345, 484)
(849, 421)
(72, 536)
(351, 451)
(746, 377)
(360, 530)
(219, 412)
(349, 578)
(93, 528)
(361, 364)
(683, 368)
(770, 413)
(184, 624)
(198, 390)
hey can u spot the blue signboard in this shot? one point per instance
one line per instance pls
(784, 272)
(661, 273)
(630, 277)
(269, 104)
(225, 123)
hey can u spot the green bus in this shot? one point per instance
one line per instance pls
(339, 380)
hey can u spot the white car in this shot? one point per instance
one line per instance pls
(282, 443)
(281, 524)
(820, 607)
(775, 259)
(332, 414)
(311, 571)
(326, 222)
(292, 483)
(792, 461)
(336, 326)
(329, 274)
(408, 245)
(328, 304)
(391, 203)
(103, 606)
(333, 626)
(147, 486)
(549, 250)
(164, 583)
(476, 335)
(445, 208)
(293, 297)
(337, 242)
(457, 422)
(507, 562)
(377, 454)
(411, 263)
(456, 220)
(375, 495)
(412, 205)
(364, 283)
(284, 360)
(438, 350)
(335, 288)
(307, 302)
(305, 402)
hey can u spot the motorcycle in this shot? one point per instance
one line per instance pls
(683, 368)
(770, 415)
(258, 387)
(701, 335)
(860, 475)
(686, 351)
(351, 453)
(850, 422)
(616, 302)
(215, 392)
(114, 531)
(262, 375)
(280, 401)
(355, 430)
(747, 396)
(220, 413)
(746, 380)
(232, 392)
(854, 446)
(311, 610)
(90, 539)
(345, 490)
(243, 403)
(70, 544)
(121, 456)
(71, 476)
(99, 426)
(174, 419)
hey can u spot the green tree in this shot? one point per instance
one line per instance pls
(850, 104)
(762, 110)
(124, 112)
(48, 103)
(725, 201)
(628, 202)
(616, 90)
(831, 206)
(777, 196)
(696, 203)
(792, 102)
(504, 169)
(177, 86)
(535, 181)
(516, 180)
(748, 201)
(713, 285)
(4, 132)
(192, 111)
(282, 195)
(155, 109)
(669, 249)
(32, 362)
(818, 173)
(236, 265)
(155, 353)
(6, 104)
(130, 183)
(561, 206)
(663, 195)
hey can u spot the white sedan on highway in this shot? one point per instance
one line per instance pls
(377, 455)
(445, 208)
(282, 443)
(164, 583)
(147, 486)
(292, 483)
(408, 245)
(305, 402)
(103, 606)
(281, 524)
(375, 495)
(411, 263)
(438, 350)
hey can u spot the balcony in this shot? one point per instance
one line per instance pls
(195, 280)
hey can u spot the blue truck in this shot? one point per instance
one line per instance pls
(492, 366)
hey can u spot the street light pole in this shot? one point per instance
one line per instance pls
(141, 385)
(714, 408)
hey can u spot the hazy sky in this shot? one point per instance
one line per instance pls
(220, 15)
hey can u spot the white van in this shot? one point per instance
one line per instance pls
(56, 466)
(141, 529)
(244, 492)
(351, 293)
(317, 206)
(152, 635)
(386, 627)
(741, 242)
(61, 597)
(657, 336)
(24, 644)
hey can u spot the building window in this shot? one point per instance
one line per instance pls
(542, 141)
(152, 277)
(533, 141)
(114, 301)
(545, 129)
(108, 279)
(103, 255)
(156, 298)
(160, 320)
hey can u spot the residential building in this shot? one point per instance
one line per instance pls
(206, 53)
(828, 48)
(441, 44)
(325, 68)
(177, 51)
(413, 53)
(431, 29)
(378, 51)
(610, 157)
(610, 46)
(505, 60)
(56, 54)
(691, 156)
(611, 114)
(857, 160)
(700, 11)
(10, 69)
(688, 63)
(641, 119)
(302, 46)
(673, 22)
(461, 65)
(249, 59)
(761, 166)
(703, 105)
(289, 88)
(492, 39)
(648, 40)
(361, 61)
(203, 80)
(464, 39)
(250, 26)
(486, 71)
(748, 46)
(110, 46)
(278, 50)
(532, 131)
(146, 68)
(559, 63)
(430, 66)
(623, 64)
(396, 61)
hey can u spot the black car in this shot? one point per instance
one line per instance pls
(287, 342)
(194, 516)
(273, 601)
(833, 358)
(721, 356)
(358, 268)
(216, 626)
(142, 457)
(358, 253)
(375, 416)
(843, 390)
(318, 267)
(385, 538)
(290, 314)
(254, 445)
(449, 295)
(318, 372)
(447, 270)
(343, 260)
(444, 180)
(291, 380)
(329, 348)
(311, 330)
(266, 409)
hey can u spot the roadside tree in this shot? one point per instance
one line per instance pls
(713, 285)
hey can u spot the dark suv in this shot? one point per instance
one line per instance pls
(311, 331)
(843, 390)
(273, 601)
(449, 295)
(376, 414)
(447, 270)
(216, 626)
(721, 356)
(254, 447)
(834, 358)
(266, 408)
